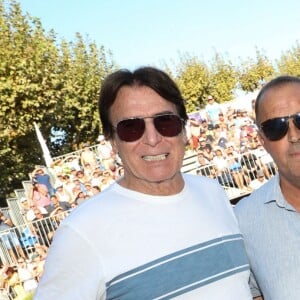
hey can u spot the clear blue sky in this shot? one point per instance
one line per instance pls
(150, 32)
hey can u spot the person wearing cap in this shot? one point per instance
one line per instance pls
(212, 110)
(269, 217)
(155, 233)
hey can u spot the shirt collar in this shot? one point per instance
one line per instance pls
(275, 194)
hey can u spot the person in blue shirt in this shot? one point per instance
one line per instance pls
(269, 218)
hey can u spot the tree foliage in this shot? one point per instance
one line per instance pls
(55, 85)
(252, 72)
(197, 80)
(193, 80)
(223, 79)
(289, 63)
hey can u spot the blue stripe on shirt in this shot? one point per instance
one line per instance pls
(182, 271)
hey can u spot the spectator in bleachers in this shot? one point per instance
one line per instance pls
(62, 194)
(232, 149)
(39, 176)
(202, 143)
(41, 251)
(39, 195)
(250, 164)
(57, 166)
(56, 204)
(88, 156)
(230, 114)
(59, 180)
(203, 165)
(212, 110)
(73, 173)
(252, 112)
(42, 228)
(259, 180)
(222, 121)
(13, 284)
(68, 184)
(24, 206)
(234, 132)
(106, 180)
(252, 137)
(27, 209)
(88, 171)
(238, 120)
(80, 198)
(37, 263)
(201, 159)
(96, 177)
(195, 128)
(208, 152)
(266, 160)
(244, 131)
(221, 165)
(237, 172)
(105, 152)
(26, 276)
(78, 187)
(96, 189)
(81, 176)
(220, 159)
(71, 162)
(9, 237)
(88, 189)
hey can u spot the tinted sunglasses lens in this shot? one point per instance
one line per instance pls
(296, 119)
(168, 125)
(130, 130)
(275, 129)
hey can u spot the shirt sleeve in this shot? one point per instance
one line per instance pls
(72, 270)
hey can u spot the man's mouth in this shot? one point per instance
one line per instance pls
(155, 157)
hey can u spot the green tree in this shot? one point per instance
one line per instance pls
(252, 72)
(289, 62)
(192, 78)
(82, 68)
(54, 85)
(223, 79)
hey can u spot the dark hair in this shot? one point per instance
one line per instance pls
(151, 77)
(274, 83)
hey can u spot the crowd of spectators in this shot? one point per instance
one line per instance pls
(21, 279)
(228, 148)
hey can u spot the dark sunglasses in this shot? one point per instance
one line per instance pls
(276, 128)
(130, 130)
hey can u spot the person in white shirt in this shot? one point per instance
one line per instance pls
(155, 233)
